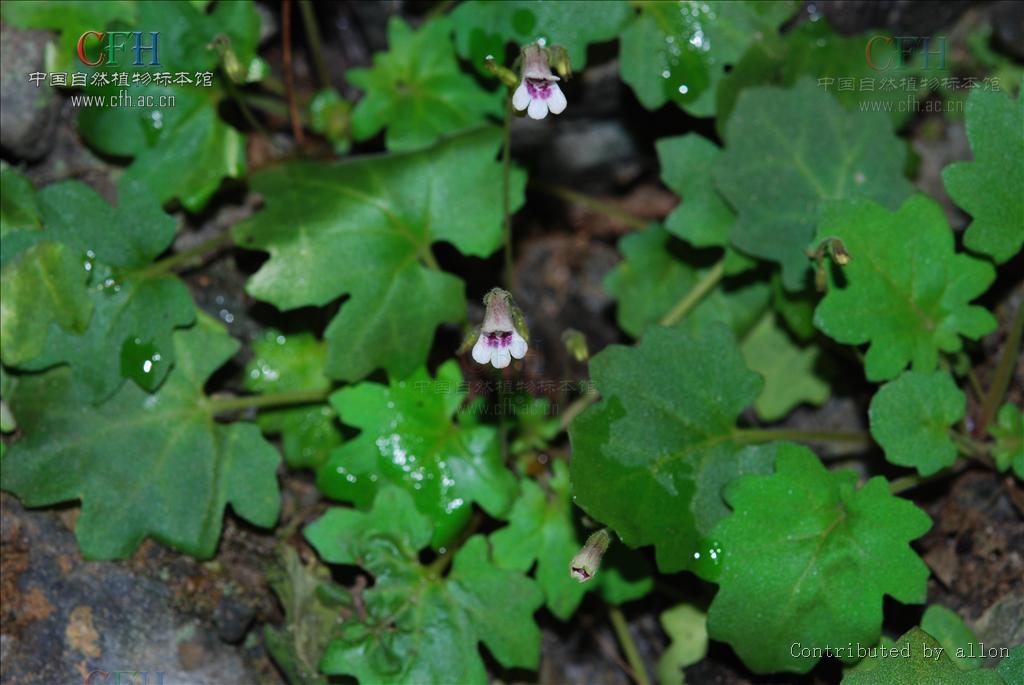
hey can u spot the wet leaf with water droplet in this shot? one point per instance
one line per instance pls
(663, 438)
(294, 362)
(117, 244)
(418, 627)
(678, 51)
(142, 465)
(807, 557)
(143, 363)
(409, 439)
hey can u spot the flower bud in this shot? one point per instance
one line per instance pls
(576, 344)
(586, 562)
(504, 74)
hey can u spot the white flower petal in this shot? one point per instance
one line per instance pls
(556, 101)
(538, 109)
(481, 355)
(521, 98)
(518, 346)
(500, 357)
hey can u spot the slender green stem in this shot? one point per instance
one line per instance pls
(1001, 379)
(429, 259)
(755, 435)
(972, 378)
(315, 46)
(222, 405)
(905, 483)
(506, 171)
(576, 407)
(167, 263)
(628, 645)
(243, 106)
(439, 9)
(438, 566)
(577, 198)
(695, 294)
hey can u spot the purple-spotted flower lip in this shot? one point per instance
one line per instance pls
(538, 92)
(499, 341)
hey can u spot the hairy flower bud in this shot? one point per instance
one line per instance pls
(586, 562)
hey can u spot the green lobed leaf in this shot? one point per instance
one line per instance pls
(906, 290)
(788, 152)
(989, 187)
(43, 284)
(142, 465)
(134, 310)
(331, 115)
(703, 218)
(419, 626)
(361, 227)
(283, 363)
(663, 438)
(678, 51)
(950, 631)
(1008, 431)
(657, 272)
(541, 529)
(417, 90)
(792, 372)
(807, 557)
(917, 657)
(483, 28)
(409, 439)
(912, 416)
(686, 626)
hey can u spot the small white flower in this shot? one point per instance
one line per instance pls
(538, 92)
(499, 341)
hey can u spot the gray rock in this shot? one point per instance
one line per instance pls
(28, 113)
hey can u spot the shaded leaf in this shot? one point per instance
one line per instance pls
(906, 290)
(926, 664)
(409, 439)
(657, 272)
(912, 416)
(808, 556)
(1008, 431)
(791, 371)
(364, 227)
(989, 187)
(687, 629)
(19, 210)
(143, 465)
(418, 626)
(790, 150)
(950, 631)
